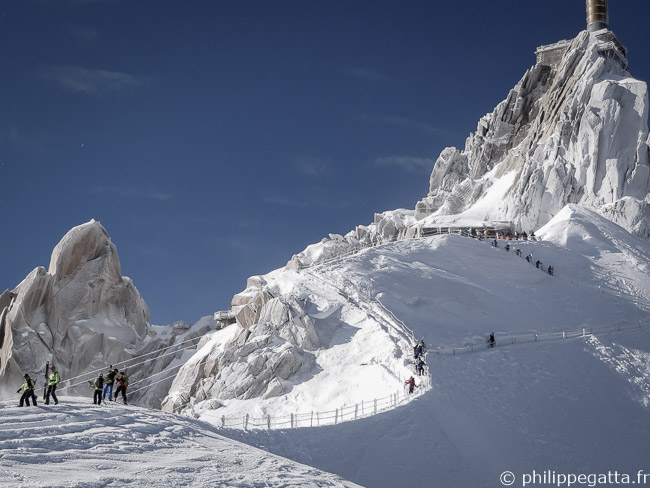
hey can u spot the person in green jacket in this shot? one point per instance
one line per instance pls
(52, 382)
(28, 391)
(108, 383)
(98, 385)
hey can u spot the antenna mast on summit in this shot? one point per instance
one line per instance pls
(597, 15)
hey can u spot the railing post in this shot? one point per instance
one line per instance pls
(362, 409)
(292, 420)
(563, 335)
(311, 422)
(583, 332)
(317, 420)
(535, 337)
(356, 410)
(336, 416)
(223, 421)
(268, 421)
(246, 422)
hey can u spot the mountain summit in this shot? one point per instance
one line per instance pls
(573, 130)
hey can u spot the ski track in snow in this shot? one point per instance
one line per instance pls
(77, 444)
(631, 364)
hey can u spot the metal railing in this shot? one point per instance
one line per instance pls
(346, 413)
(512, 339)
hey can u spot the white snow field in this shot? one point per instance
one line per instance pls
(575, 405)
(77, 444)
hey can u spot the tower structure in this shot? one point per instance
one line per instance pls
(597, 15)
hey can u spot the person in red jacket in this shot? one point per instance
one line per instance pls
(411, 383)
(122, 384)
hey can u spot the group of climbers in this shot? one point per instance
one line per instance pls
(52, 379)
(418, 349)
(418, 356)
(505, 235)
(101, 386)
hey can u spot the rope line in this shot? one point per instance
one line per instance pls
(131, 366)
(132, 359)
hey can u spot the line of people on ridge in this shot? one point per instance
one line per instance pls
(529, 258)
(100, 385)
(503, 235)
(418, 356)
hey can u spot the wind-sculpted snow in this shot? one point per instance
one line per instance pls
(79, 445)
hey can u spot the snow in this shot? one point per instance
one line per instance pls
(478, 215)
(553, 405)
(577, 405)
(451, 290)
(77, 444)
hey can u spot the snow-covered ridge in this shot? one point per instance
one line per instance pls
(456, 288)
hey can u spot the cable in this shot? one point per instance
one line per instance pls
(131, 366)
(134, 358)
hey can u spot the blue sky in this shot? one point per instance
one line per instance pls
(214, 139)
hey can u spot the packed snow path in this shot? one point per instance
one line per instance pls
(77, 444)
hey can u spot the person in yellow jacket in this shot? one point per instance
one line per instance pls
(52, 381)
(98, 385)
(28, 391)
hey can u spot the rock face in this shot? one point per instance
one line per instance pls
(577, 133)
(250, 359)
(79, 314)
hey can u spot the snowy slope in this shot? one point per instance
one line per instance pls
(77, 444)
(575, 405)
(451, 290)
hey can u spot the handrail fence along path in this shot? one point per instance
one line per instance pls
(508, 339)
(331, 417)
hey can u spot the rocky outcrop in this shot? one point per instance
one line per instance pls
(248, 360)
(79, 314)
(575, 134)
